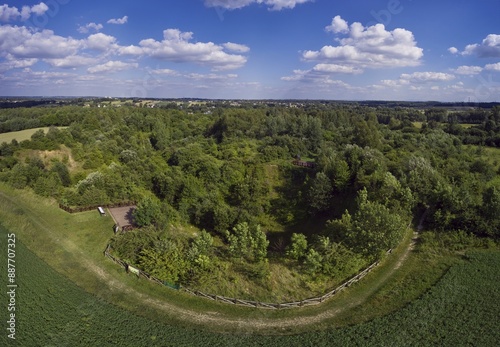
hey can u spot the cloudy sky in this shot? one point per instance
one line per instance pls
(445, 50)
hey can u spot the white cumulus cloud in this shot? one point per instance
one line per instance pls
(13, 63)
(277, 5)
(8, 13)
(22, 42)
(338, 25)
(274, 5)
(118, 21)
(176, 46)
(229, 4)
(235, 47)
(418, 80)
(211, 77)
(168, 72)
(90, 26)
(72, 61)
(488, 48)
(39, 9)
(424, 77)
(101, 42)
(334, 68)
(468, 70)
(493, 67)
(112, 66)
(297, 75)
(369, 47)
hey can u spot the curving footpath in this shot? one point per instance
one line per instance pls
(254, 321)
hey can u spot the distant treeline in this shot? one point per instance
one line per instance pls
(29, 103)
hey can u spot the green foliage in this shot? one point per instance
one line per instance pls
(424, 180)
(393, 195)
(313, 261)
(298, 247)
(372, 230)
(341, 175)
(166, 262)
(247, 242)
(366, 134)
(320, 193)
(337, 260)
(148, 212)
(218, 168)
(203, 243)
(49, 186)
(62, 172)
(491, 211)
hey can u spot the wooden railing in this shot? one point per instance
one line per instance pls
(241, 302)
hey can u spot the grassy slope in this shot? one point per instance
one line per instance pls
(55, 234)
(21, 135)
(73, 245)
(462, 309)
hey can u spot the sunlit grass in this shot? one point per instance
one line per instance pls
(20, 135)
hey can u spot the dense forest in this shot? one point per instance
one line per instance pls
(221, 205)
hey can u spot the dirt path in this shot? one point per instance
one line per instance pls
(256, 320)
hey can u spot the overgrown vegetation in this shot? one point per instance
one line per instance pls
(228, 171)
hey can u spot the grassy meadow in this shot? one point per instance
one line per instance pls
(20, 135)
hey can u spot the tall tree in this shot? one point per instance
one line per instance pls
(247, 242)
(373, 229)
(320, 193)
(297, 249)
(148, 212)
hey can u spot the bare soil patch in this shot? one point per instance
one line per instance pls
(123, 215)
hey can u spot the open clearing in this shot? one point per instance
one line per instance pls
(21, 135)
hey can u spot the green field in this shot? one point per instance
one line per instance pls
(102, 304)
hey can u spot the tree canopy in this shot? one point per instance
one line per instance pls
(227, 171)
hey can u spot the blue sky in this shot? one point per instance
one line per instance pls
(253, 49)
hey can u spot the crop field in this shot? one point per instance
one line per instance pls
(461, 309)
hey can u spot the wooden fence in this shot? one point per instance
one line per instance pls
(308, 164)
(248, 303)
(94, 207)
(285, 305)
(141, 273)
